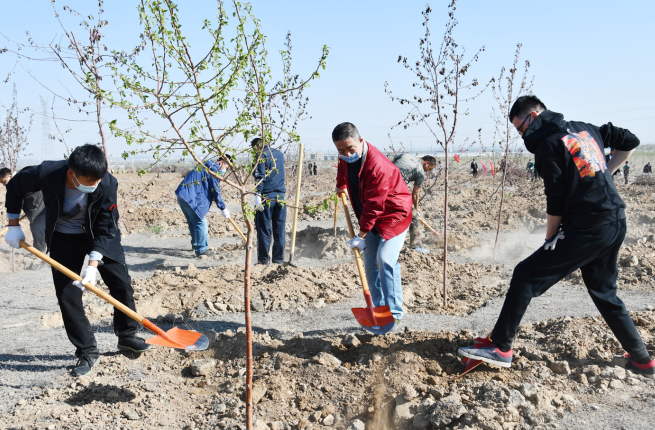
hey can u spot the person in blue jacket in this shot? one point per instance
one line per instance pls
(195, 195)
(271, 212)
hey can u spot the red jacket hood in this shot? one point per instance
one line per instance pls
(386, 200)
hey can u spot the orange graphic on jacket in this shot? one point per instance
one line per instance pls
(586, 153)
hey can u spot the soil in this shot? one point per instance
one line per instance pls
(314, 368)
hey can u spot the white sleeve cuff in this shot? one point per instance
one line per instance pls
(95, 256)
(13, 216)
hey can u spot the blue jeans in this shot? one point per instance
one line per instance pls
(383, 271)
(197, 227)
(275, 216)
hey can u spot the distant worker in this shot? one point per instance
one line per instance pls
(586, 225)
(474, 168)
(414, 171)
(80, 198)
(309, 168)
(383, 206)
(33, 208)
(315, 169)
(271, 213)
(626, 172)
(195, 195)
(648, 169)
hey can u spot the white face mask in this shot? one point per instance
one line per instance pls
(88, 189)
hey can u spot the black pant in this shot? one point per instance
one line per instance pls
(275, 215)
(592, 250)
(71, 250)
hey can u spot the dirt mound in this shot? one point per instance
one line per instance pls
(400, 381)
(321, 243)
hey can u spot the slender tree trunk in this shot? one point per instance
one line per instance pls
(102, 131)
(445, 231)
(249, 246)
(502, 198)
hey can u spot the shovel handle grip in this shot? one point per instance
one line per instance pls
(235, 226)
(358, 257)
(428, 227)
(89, 286)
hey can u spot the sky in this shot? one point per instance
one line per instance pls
(591, 61)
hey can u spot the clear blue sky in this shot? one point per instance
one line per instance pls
(592, 61)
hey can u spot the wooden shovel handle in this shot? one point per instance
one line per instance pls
(358, 257)
(235, 226)
(429, 228)
(297, 201)
(89, 286)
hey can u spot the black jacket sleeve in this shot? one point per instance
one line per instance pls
(105, 224)
(26, 181)
(618, 138)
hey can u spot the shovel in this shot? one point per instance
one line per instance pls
(336, 213)
(377, 320)
(429, 228)
(295, 210)
(235, 226)
(173, 338)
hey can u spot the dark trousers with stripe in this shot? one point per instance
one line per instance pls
(592, 250)
(70, 250)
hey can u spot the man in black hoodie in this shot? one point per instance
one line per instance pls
(81, 219)
(585, 228)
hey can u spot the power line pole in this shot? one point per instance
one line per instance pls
(47, 152)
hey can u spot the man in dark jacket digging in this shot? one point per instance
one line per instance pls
(586, 226)
(383, 206)
(81, 219)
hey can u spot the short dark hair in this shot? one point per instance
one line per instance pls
(256, 142)
(524, 105)
(345, 130)
(430, 159)
(4, 172)
(89, 161)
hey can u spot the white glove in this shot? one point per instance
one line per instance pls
(225, 213)
(258, 203)
(88, 275)
(550, 245)
(357, 242)
(14, 236)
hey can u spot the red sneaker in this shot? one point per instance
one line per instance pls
(647, 370)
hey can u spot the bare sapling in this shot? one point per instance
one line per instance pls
(86, 59)
(442, 89)
(505, 91)
(194, 90)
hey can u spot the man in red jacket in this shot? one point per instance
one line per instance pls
(383, 206)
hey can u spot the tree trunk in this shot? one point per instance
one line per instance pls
(102, 132)
(249, 246)
(445, 231)
(502, 198)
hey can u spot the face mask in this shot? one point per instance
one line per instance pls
(350, 159)
(88, 189)
(222, 171)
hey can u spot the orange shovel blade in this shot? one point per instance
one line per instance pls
(176, 338)
(383, 317)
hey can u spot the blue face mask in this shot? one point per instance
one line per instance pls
(88, 189)
(222, 171)
(350, 159)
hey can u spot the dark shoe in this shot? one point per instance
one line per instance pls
(85, 365)
(264, 263)
(207, 254)
(279, 262)
(647, 370)
(133, 344)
